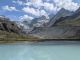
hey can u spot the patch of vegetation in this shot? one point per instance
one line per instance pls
(75, 22)
(74, 37)
(9, 36)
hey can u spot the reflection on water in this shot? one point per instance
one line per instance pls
(40, 51)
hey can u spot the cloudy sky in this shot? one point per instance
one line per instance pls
(29, 9)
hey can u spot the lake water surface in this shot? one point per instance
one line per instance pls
(40, 51)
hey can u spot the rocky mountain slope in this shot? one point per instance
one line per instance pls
(26, 26)
(67, 26)
(57, 32)
(73, 20)
(7, 25)
(64, 25)
(40, 22)
(10, 31)
(61, 13)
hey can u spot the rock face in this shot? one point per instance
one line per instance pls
(57, 32)
(73, 20)
(64, 25)
(40, 22)
(7, 25)
(24, 26)
(11, 32)
(27, 27)
(60, 14)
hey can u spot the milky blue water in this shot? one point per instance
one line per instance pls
(27, 51)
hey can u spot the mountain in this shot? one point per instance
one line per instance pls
(64, 25)
(2, 17)
(10, 31)
(7, 25)
(25, 26)
(40, 22)
(61, 13)
(36, 22)
(78, 10)
(74, 19)
(57, 32)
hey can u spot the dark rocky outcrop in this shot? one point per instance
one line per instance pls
(11, 32)
(7, 25)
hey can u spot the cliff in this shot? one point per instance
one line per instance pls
(10, 32)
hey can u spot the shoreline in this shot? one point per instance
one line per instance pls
(42, 41)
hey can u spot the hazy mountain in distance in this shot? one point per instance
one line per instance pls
(78, 10)
(28, 25)
(2, 17)
(40, 22)
(61, 13)
(25, 26)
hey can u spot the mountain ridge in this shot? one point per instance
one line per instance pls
(61, 13)
(75, 18)
(62, 28)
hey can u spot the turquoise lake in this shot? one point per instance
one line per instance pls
(40, 51)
